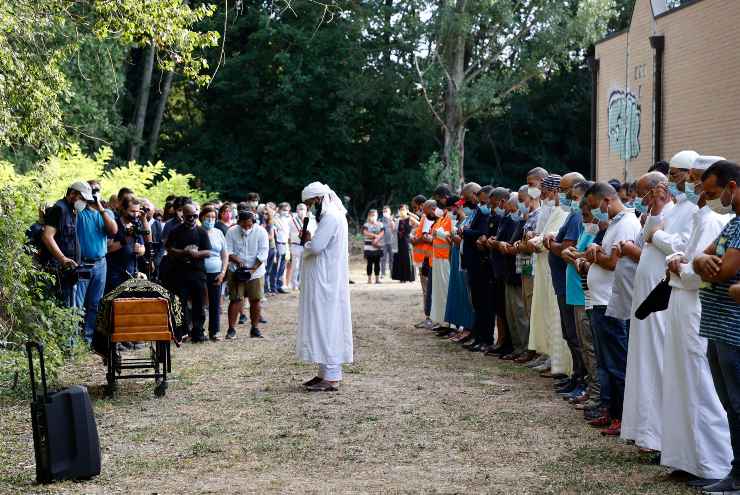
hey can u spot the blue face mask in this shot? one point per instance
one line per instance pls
(467, 211)
(523, 209)
(673, 189)
(208, 224)
(500, 211)
(575, 206)
(639, 206)
(564, 200)
(485, 209)
(599, 215)
(691, 193)
(516, 216)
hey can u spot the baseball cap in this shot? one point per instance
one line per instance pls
(84, 189)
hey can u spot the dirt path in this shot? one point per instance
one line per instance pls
(415, 415)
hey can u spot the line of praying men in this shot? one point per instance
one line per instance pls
(551, 277)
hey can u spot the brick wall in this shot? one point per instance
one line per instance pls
(701, 84)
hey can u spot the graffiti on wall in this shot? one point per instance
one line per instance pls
(624, 124)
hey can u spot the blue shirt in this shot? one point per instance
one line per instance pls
(91, 234)
(574, 294)
(720, 314)
(570, 231)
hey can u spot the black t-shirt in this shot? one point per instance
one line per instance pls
(184, 268)
(53, 216)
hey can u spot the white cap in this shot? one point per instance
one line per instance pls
(704, 162)
(84, 189)
(683, 159)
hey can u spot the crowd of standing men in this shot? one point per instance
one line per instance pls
(201, 253)
(627, 295)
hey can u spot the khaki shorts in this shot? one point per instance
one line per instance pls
(252, 289)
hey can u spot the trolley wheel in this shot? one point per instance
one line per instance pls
(160, 389)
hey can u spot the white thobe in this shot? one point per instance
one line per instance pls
(641, 416)
(440, 282)
(324, 312)
(545, 334)
(695, 431)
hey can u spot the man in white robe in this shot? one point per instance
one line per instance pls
(545, 334)
(641, 415)
(695, 429)
(324, 311)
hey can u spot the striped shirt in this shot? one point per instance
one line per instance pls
(720, 314)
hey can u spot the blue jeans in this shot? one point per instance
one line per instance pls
(611, 337)
(268, 269)
(88, 294)
(276, 275)
(724, 362)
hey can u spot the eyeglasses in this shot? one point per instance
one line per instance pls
(190, 217)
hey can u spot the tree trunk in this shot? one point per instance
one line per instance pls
(141, 105)
(159, 115)
(454, 132)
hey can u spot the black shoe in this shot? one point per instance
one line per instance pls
(242, 319)
(701, 482)
(476, 348)
(591, 414)
(571, 386)
(255, 333)
(561, 383)
(470, 343)
(263, 321)
(231, 334)
(199, 339)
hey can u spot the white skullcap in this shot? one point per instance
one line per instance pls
(704, 162)
(683, 159)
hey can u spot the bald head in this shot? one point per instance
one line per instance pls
(652, 179)
(570, 179)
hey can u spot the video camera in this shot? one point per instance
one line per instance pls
(137, 229)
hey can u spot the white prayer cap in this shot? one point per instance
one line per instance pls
(704, 162)
(683, 159)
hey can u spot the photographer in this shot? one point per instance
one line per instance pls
(125, 245)
(94, 226)
(60, 237)
(248, 247)
(187, 248)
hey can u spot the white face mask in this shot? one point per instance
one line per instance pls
(717, 206)
(80, 205)
(549, 202)
(534, 192)
(301, 213)
(439, 213)
(591, 228)
(246, 231)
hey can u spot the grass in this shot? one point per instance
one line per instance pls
(416, 415)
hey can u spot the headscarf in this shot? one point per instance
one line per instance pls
(317, 189)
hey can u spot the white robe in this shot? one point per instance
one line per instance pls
(696, 438)
(440, 283)
(324, 311)
(643, 390)
(545, 334)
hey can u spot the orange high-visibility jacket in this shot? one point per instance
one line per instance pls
(422, 249)
(441, 247)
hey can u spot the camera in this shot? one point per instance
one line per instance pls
(243, 274)
(137, 229)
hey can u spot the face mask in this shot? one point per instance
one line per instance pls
(246, 231)
(468, 211)
(439, 213)
(285, 213)
(516, 216)
(640, 206)
(599, 215)
(208, 224)
(575, 206)
(253, 204)
(591, 228)
(691, 193)
(523, 208)
(500, 211)
(549, 202)
(564, 199)
(717, 206)
(372, 219)
(534, 192)
(673, 189)
(485, 209)
(80, 205)
(431, 217)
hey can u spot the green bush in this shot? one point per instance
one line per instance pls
(26, 309)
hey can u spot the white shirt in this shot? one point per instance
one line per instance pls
(296, 225)
(250, 247)
(282, 228)
(600, 281)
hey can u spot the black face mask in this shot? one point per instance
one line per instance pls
(470, 204)
(431, 216)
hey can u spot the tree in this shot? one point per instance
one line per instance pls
(480, 53)
(39, 38)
